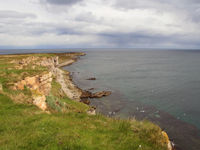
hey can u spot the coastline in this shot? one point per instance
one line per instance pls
(171, 145)
(38, 86)
(183, 134)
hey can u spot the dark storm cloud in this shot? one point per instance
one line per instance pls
(122, 39)
(67, 31)
(147, 40)
(62, 2)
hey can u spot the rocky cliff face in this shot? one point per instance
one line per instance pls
(40, 87)
(39, 83)
(67, 85)
(36, 61)
(49, 62)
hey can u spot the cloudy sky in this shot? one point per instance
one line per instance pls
(99, 24)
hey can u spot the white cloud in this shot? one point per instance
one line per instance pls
(100, 23)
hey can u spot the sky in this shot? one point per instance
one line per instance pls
(100, 24)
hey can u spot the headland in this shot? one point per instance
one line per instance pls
(42, 108)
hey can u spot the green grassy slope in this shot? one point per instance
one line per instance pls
(25, 127)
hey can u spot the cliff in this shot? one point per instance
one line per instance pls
(41, 109)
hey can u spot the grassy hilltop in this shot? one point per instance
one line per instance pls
(65, 125)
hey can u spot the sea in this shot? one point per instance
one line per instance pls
(162, 86)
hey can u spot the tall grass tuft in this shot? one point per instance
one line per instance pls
(54, 103)
(124, 126)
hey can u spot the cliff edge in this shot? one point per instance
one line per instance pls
(40, 108)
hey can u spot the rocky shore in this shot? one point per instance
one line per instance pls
(35, 85)
(40, 85)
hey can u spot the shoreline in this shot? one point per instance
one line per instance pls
(73, 91)
(182, 127)
(42, 82)
(71, 80)
(66, 75)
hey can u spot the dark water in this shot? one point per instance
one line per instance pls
(162, 86)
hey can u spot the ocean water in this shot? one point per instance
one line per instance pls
(161, 86)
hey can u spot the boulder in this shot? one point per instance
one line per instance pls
(46, 77)
(91, 78)
(40, 101)
(101, 94)
(20, 85)
(45, 88)
(88, 94)
(91, 111)
(85, 101)
(30, 81)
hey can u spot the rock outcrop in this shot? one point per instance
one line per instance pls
(40, 87)
(41, 84)
(28, 60)
(88, 94)
(85, 101)
(92, 111)
(40, 101)
(49, 62)
(20, 64)
(66, 63)
(67, 85)
(62, 78)
(93, 78)
(101, 94)
(167, 141)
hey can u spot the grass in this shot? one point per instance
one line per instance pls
(56, 89)
(68, 126)
(25, 127)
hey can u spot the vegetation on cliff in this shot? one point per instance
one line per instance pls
(65, 123)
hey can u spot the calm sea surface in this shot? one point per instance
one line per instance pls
(168, 80)
(159, 85)
(162, 86)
